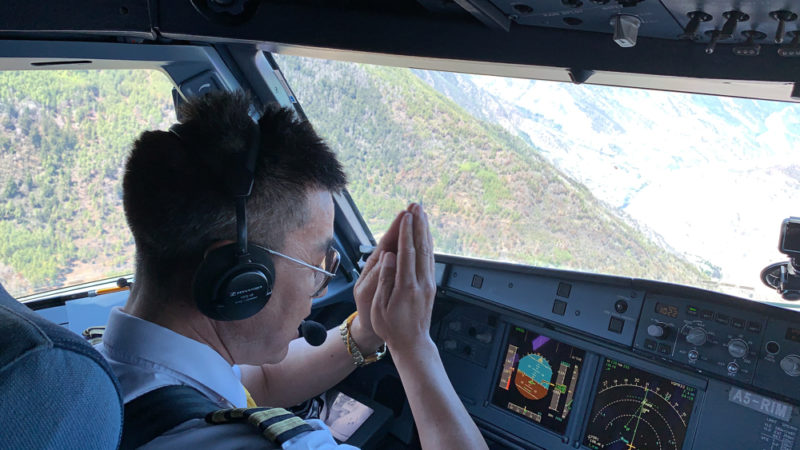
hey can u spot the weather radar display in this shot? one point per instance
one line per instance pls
(538, 378)
(634, 409)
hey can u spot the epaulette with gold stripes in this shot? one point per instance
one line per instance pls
(276, 424)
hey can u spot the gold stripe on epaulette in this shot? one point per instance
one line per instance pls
(273, 431)
(262, 416)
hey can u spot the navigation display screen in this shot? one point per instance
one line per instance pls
(538, 378)
(636, 409)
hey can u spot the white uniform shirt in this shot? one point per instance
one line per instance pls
(146, 356)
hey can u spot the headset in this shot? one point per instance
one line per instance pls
(234, 281)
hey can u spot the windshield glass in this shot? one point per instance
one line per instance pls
(688, 189)
(64, 136)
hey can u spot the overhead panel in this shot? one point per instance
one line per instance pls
(760, 15)
(596, 16)
(743, 27)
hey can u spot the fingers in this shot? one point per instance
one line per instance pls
(388, 242)
(383, 291)
(406, 253)
(422, 244)
(367, 283)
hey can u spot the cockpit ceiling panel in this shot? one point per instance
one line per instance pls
(665, 19)
(759, 14)
(567, 39)
(590, 16)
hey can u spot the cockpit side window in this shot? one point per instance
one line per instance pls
(64, 137)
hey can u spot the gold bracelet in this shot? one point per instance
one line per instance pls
(350, 344)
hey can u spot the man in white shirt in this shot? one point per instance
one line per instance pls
(173, 332)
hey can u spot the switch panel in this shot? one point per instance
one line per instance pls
(716, 339)
(779, 364)
(606, 311)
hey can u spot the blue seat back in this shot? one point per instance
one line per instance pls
(56, 390)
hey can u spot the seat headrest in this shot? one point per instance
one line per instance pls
(57, 391)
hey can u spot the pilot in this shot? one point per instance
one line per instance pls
(172, 331)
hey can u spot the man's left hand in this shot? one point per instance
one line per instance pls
(364, 290)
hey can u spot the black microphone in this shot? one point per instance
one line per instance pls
(313, 332)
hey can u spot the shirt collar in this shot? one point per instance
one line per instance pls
(139, 342)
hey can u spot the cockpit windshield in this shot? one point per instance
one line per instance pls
(682, 188)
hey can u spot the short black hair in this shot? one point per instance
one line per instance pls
(174, 193)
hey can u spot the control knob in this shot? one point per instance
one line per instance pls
(791, 365)
(693, 355)
(658, 330)
(697, 336)
(738, 348)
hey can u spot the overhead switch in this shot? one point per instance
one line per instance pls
(733, 19)
(715, 36)
(626, 29)
(782, 17)
(691, 29)
(793, 49)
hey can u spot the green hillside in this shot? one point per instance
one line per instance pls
(63, 138)
(488, 193)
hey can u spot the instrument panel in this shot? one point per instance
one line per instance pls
(560, 363)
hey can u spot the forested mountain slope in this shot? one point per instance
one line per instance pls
(64, 136)
(488, 192)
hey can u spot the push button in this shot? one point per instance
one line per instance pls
(477, 281)
(664, 349)
(650, 344)
(754, 327)
(615, 325)
(559, 307)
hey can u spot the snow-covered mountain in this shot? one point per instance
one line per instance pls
(710, 177)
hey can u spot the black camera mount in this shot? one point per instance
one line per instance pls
(784, 277)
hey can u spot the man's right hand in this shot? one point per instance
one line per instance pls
(403, 301)
(401, 314)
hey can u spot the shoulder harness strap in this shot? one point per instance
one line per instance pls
(154, 413)
(276, 424)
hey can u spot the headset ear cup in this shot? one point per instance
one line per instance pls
(225, 289)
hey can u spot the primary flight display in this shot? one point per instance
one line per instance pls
(538, 378)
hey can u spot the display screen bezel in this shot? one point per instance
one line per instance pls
(698, 384)
(587, 371)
